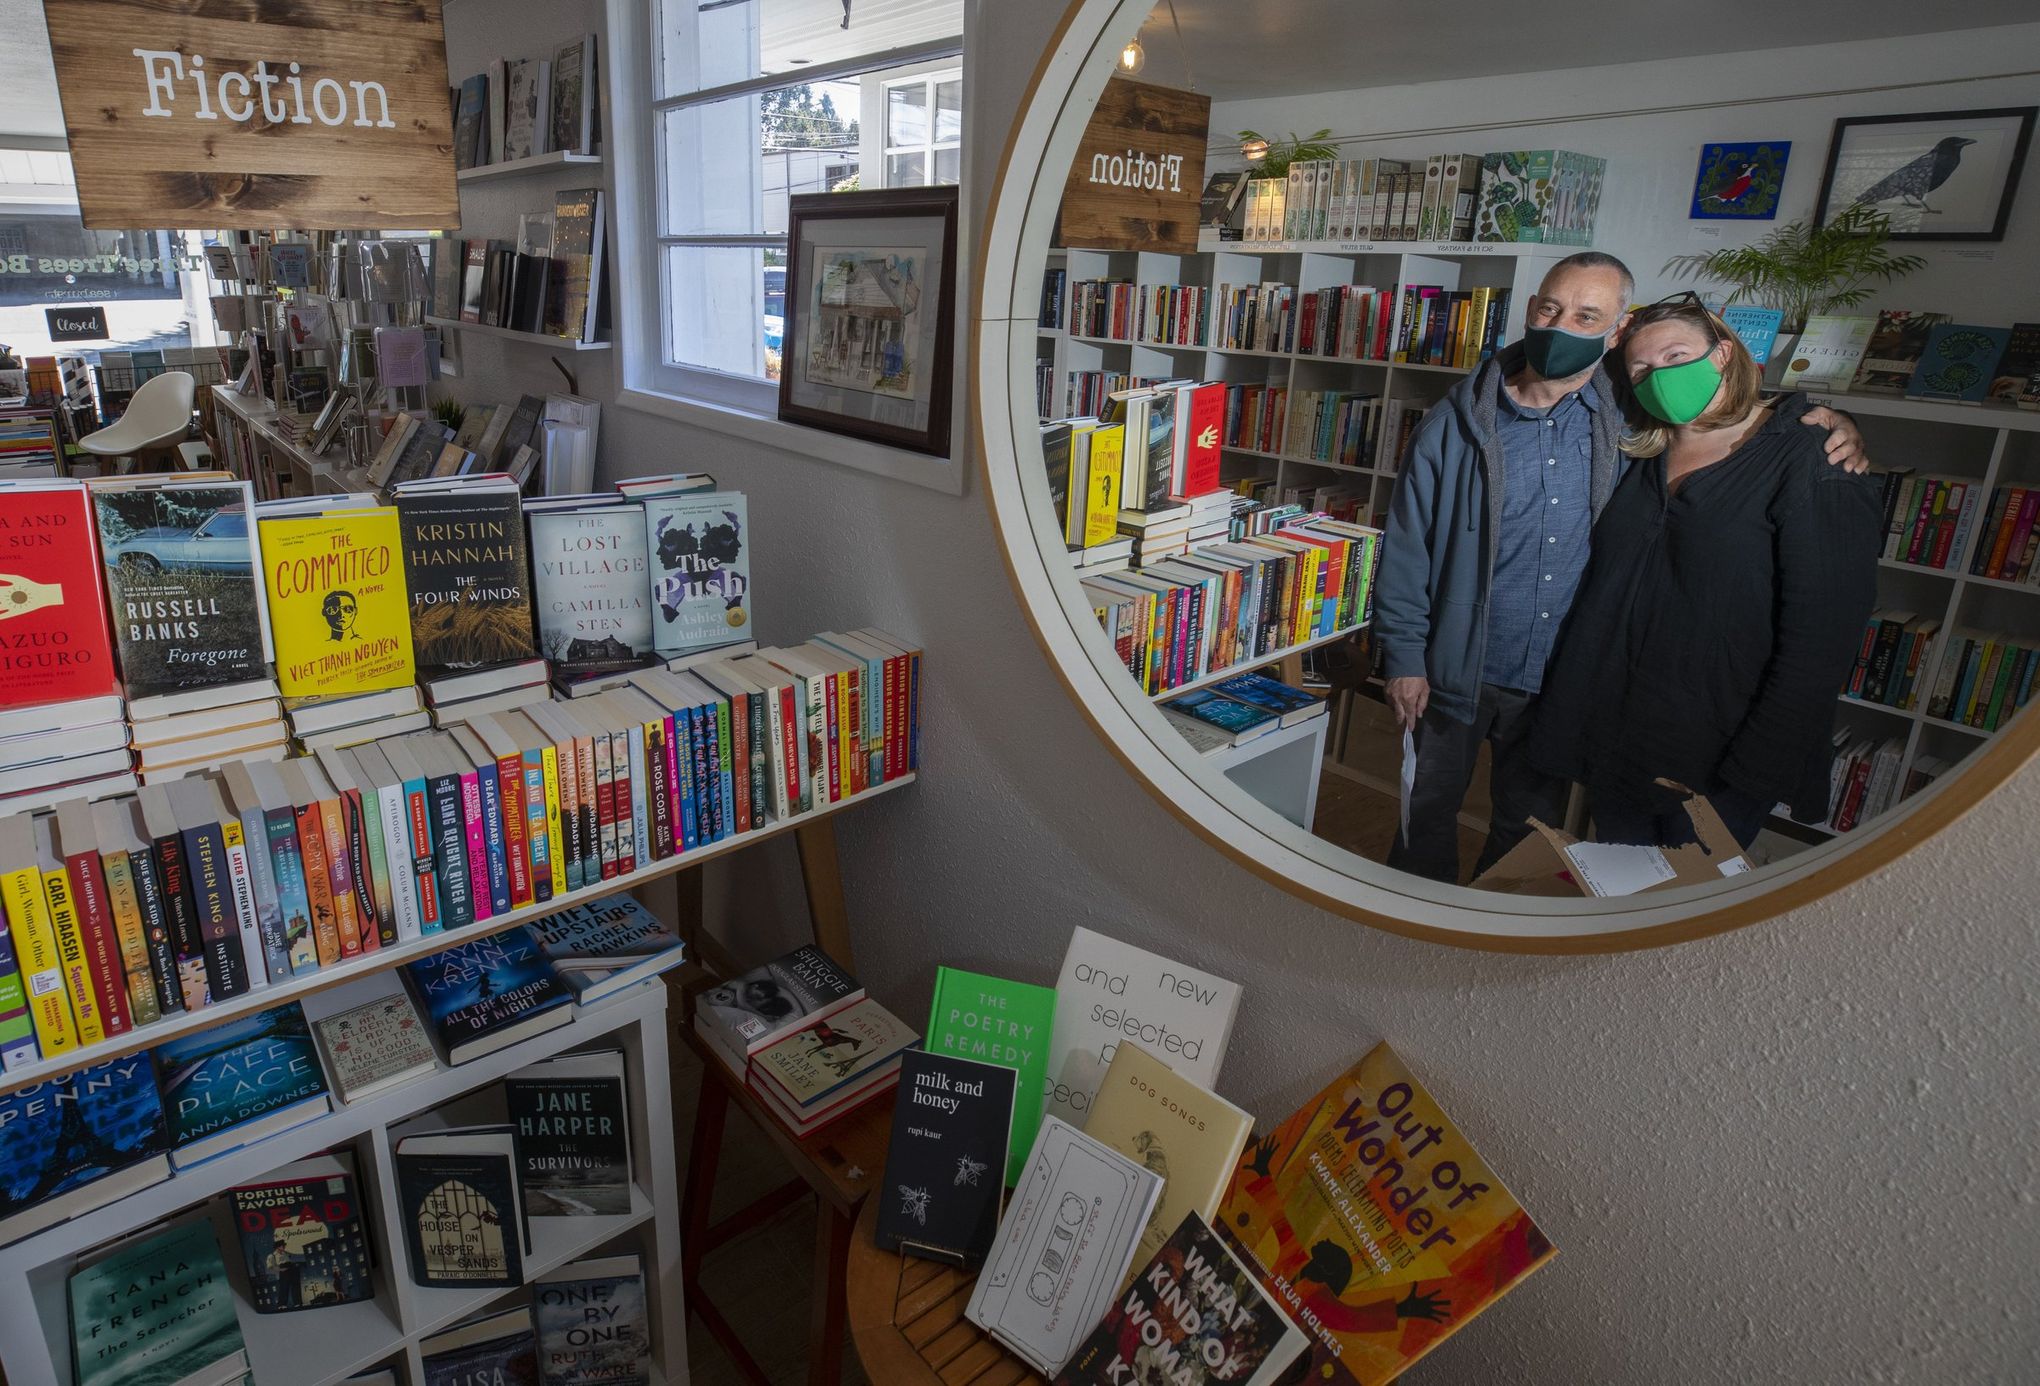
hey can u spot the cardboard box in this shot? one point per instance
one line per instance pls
(1553, 863)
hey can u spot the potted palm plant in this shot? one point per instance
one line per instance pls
(1280, 154)
(1804, 270)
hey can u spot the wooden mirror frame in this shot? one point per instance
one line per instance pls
(1027, 186)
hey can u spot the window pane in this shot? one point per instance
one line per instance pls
(706, 43)
(948, 111)
(948, 165)
(906, 170)
(138, 275)
(731, 165)
(906, 114)
(715, 309)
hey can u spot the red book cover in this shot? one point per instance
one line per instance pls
(605, 820)
(102, 943)
(789, 747)
(1200, 458)
(740, 755)
(510, 787)
(623, 792)
(52, 601)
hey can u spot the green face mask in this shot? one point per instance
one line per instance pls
(1679, 394)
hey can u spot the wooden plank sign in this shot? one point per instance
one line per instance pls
(1139, 171)
(247, 114)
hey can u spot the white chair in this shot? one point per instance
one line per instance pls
(157, 418)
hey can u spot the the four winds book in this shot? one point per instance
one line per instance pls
(181, 577)
(699, 545)
(1375, 1224)
(336, 596)
(157, 1311)
(464, 565)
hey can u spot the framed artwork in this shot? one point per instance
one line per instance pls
(1939, 176)
(870, 315)
(1740, 181)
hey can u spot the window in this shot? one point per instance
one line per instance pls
(924, 130)
(750, 103)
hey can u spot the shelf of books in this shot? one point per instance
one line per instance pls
(533, 163)
(511, 334)
(317, 1192)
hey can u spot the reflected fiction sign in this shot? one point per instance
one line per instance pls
(314, 114)
(77, 324)
(1139, 171)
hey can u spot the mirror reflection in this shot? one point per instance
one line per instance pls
(1582, 506)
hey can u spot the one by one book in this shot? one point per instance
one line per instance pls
(491, 992)
(1385, 1226)
(239, 1082)
(699, 547)
(75, 1143)
(458, 1201)
(572, 1124)
(157, 1311)
(1109, 992)
(605, 945)
(1193, 1316)
(997, 1021)
(1064, 1247)
(593, 1327)
(749, 1013)
(375, 1047)
(946, 1165)
(302, 1237)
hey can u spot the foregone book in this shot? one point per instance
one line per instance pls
(1375, 1224)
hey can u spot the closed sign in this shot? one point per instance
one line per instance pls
(77, 324)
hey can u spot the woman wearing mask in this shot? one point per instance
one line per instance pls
(1731, 574)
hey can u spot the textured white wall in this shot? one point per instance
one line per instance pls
(1800, 1153)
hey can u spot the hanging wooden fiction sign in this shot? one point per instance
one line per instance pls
(247, 114)
(1139, 171)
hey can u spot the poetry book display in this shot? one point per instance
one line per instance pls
(946, 1164)
(997, 1021)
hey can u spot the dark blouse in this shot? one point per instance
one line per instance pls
(1715, 628)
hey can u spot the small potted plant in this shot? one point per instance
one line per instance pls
(1280, 154)
(1803, 271)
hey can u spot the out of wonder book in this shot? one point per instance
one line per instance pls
(1375, 1224)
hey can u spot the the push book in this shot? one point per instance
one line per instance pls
(240, 1081)
(593, 1325)
(699, 547)
(1193, 1316)
(1110, 992)
(946, 1165)
(459, 1204)
(157, 1310)
(745, 1015)
(75, 1143)
(1064, 1246)
(997, 1021)
(53, 599)
(482, 995)
(465, 569)
(303, 1240)
(1371, 1218)
(605, 945)
(375, 1046)
(341, 616)
(571, 1120)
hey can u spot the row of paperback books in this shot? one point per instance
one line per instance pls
(1119, 310)
(1919, 355)
(2010, 540)
(1544, 195)
(1350, 428)
(1976, 678)
(523, 107)
(88, 1138)
(548, 281)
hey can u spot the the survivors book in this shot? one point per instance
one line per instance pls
(946, 1166)
(592, 586)
(1374, 1222)
(482, 995)
(302, 1237)
(1193, 1316)
(699, 547)
(593, 1327)
(996, 1021)
(240, 1081)
(52, 602)
(464, 565)
(458, 1202)
(337, 601)
(181, 579)
(572, 1125)
(157, 1310)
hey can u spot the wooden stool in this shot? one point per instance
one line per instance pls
(906, 1319)
(839, 1164)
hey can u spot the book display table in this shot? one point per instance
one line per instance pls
(906, 1319)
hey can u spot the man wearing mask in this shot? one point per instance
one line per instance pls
(1487, 539)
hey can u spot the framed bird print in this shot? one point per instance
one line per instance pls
(1740, 180)
(870, 315)
(1939, 176)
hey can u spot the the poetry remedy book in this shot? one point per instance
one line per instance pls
(699, 545)
(997, 1021)
(157, 1311)
(337, 599)
(1374, 1223)
(1193, 1316)
(946, 1165)
(1111, 991)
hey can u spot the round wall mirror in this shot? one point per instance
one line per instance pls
(1207, 349)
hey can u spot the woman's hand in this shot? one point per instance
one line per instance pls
(1844, 441)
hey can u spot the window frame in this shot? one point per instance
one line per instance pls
(930, 145)
(739, 406)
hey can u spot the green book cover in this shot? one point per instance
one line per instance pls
(995, 1021)
(158, 1310)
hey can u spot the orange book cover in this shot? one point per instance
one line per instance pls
(1375, 1224)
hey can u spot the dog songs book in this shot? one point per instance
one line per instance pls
(947, 1161)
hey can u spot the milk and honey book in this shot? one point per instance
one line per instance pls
(338, 601)
(946, 1165)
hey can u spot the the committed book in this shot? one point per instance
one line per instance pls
(157, 1311)
(699, 547)
(302, 1238)
(592, 586)
(593, 1326)
(1375, 1222)
(571, 1120)
(997, 1021)
(240, 1081)
(337, 599)
(946, 1165)
(482, 995)
(1193, 1316)
(1063, 1247)
(465, 568)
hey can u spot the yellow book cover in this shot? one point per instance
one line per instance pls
(337, 602)
(1375, 1224)
(1101, 490)
(71, 953)
(42, 968)
(1187, 1134)
(555, 833)
(130, 930)
(846, 737)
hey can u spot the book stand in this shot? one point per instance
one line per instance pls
(906, 1319)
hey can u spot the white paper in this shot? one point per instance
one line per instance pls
(1611, 869)
(1734, 866)
(1408, 779)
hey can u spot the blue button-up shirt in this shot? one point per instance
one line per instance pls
(1547, 466)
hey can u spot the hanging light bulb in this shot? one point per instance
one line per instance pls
(1132, 58)
(1254, 150)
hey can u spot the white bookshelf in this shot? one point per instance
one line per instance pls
(511, 334)
(536, 163)
(323, 1347)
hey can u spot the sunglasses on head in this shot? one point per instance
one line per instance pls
(1685, 303)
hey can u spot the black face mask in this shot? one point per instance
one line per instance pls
(1557, 354)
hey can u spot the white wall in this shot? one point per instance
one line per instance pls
(1801, 1153)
